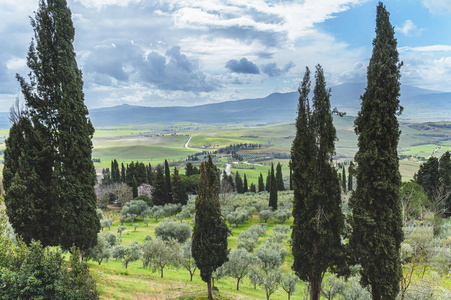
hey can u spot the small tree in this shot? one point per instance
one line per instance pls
(132, 253)
(187, 260)
(288, 283)
(238, 265)
(282, 214)
(100, 251)
(120, 229)
(173, 230)
(158, 254)
(265, 215)
(271, 281)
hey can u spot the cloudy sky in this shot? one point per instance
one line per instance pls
(190, 52)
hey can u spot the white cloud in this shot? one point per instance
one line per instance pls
(408, 28)
(432, 48)
(98, 4)
(16, 63)
(438, 6)
(430, 73)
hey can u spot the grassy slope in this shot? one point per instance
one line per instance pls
(136, 282)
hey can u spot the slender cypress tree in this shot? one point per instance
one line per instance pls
(279, 178)
(291, 176)
(268, 182)
(245, 186)
(350, 174)
(134, 187)
(167, 182)
(444, 170)
(376, 210)
(55, 100)
(115, 174)
(318, 221)
(130, 173)
(209, 242)
(179, 193)
(273, 190)
(158, 187)
(428, 176)
(122, 172)
(261, 184)
(343, 178)
(239, 183)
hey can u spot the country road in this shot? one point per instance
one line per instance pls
(187, 145)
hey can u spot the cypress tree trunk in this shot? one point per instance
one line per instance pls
(210, 294)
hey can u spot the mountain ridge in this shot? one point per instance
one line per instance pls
(418, 103)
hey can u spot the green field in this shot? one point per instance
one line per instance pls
(156, 142)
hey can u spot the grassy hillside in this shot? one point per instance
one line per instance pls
(136, 282)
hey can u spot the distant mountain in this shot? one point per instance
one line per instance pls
(278, 107)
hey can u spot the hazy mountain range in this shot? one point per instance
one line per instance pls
(419, 105)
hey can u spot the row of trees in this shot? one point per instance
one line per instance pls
(376, 219)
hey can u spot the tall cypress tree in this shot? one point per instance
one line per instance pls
(245, 186)
(343, 182)
(273, 189)
(179, 193)
(279, 178)
(134, 187)
(444, 170)
(239, 183)
(261, 184)
(318, 221)
(209, 242)
(122, 172)
(376, 210)
(115, 174)
(158, 187)
(167, 182)
(268, 181)
(55, 99)
(350, 174)
(291, 176)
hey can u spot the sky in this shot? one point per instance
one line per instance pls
(192, 52)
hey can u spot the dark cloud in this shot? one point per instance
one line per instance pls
(272, 70)
(172, 71)
(243, 66)
(175, 71)
(265, 55)
(112, 60)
